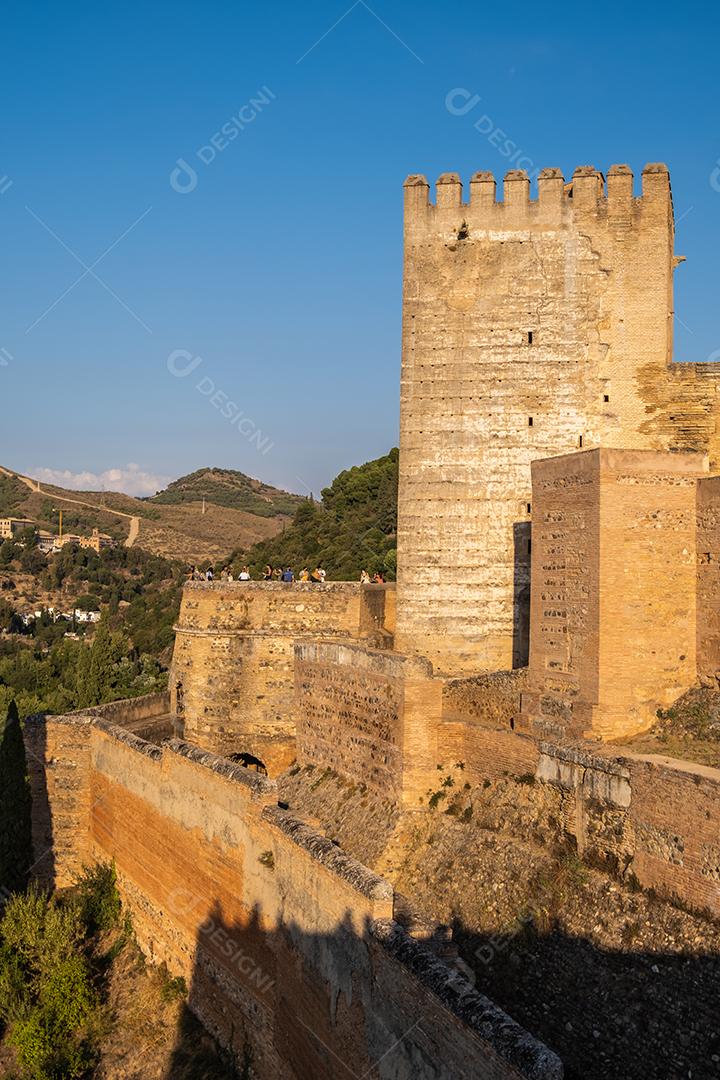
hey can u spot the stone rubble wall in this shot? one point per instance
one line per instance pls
(369, 715)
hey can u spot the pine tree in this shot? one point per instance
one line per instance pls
(15, 830)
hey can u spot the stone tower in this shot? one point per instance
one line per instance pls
(531, 328)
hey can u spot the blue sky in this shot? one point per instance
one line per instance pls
(275, 281)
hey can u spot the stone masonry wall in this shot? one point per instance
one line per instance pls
(491, 699)
(613, 607)
(232, 672)
(655, 818)
(58, 755)
(530, 329)
(287, 943)
(370, 715)
(708, 582)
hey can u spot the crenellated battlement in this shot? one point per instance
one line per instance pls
(588, 192)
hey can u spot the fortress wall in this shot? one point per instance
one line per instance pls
(370, 715)
(491, 699)
(651, 816)
(708, 582)
(486, 753)
(377, 609)
(530, 328)
(613, 605)
(675, 816)
(232, 672)
(287, 943)
(647, 816)
(478, 714)
(58, 755)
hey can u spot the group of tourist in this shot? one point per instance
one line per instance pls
(376, 579)
(271, 573)
(278, 573)
(226, 574)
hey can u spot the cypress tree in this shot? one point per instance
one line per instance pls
(15, 830)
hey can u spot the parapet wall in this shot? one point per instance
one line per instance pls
(232, 673)
(288, 944)
(588, 192)
(58, 751)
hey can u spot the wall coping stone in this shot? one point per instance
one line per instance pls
(273, 586)
(316, 649)
(141, 746)
(248, 632)
(100, 712)
(324, 851)
(512, 1042)
(258, 784)
(681, 765)
(578, 755)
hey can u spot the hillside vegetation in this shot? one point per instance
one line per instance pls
(226, 487)
(353, 529)
(79, 999)
(238, 511)
(126, 655)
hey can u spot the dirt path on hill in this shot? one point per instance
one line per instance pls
(35, 487)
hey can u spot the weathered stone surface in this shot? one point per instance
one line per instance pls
(371, 715)
(232, 675)
(614, 590)
(272, 924)
(530, 328)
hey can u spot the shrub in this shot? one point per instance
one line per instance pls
(98, 897)
(173, 987)
(46, 991)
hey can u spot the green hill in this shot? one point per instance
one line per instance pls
(227, 487)
(353, 529)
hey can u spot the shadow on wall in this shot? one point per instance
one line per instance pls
(521, 594)
(43, 833)
(324, 1006)
(321, 1006)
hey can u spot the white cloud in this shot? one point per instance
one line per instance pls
(131, 479)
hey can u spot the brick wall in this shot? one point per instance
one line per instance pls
(613, 602)
(58, 755)
(675, 816)
(652, 817)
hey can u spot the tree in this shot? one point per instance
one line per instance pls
(354, 529)
(99, 672)
(15, 830)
